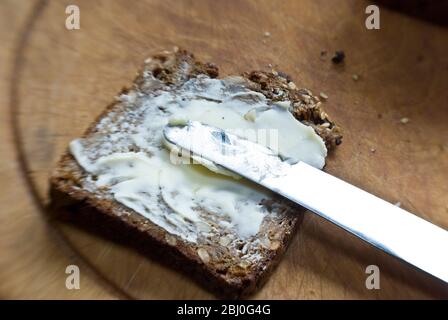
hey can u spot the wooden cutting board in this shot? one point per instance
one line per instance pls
(55, 81)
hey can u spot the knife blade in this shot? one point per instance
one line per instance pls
(378, 222)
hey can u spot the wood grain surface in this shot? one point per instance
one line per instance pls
(55, 81)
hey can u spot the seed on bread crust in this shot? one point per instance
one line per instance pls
(203, 254)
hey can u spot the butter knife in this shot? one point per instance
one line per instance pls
(380, 223)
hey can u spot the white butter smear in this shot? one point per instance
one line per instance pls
(189, 200)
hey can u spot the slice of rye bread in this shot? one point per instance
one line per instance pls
(221, 267)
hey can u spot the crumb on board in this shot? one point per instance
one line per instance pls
(323, 95)
(372, 150)
(355, 77)
(267, 34)
(338, 57)
(404, 120)
(323, 54)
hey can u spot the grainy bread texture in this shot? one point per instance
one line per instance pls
(230, 267)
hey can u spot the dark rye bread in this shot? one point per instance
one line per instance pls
(219, 268)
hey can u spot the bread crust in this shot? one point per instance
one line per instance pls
(71, 203)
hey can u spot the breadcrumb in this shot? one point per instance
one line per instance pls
(323, 95)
